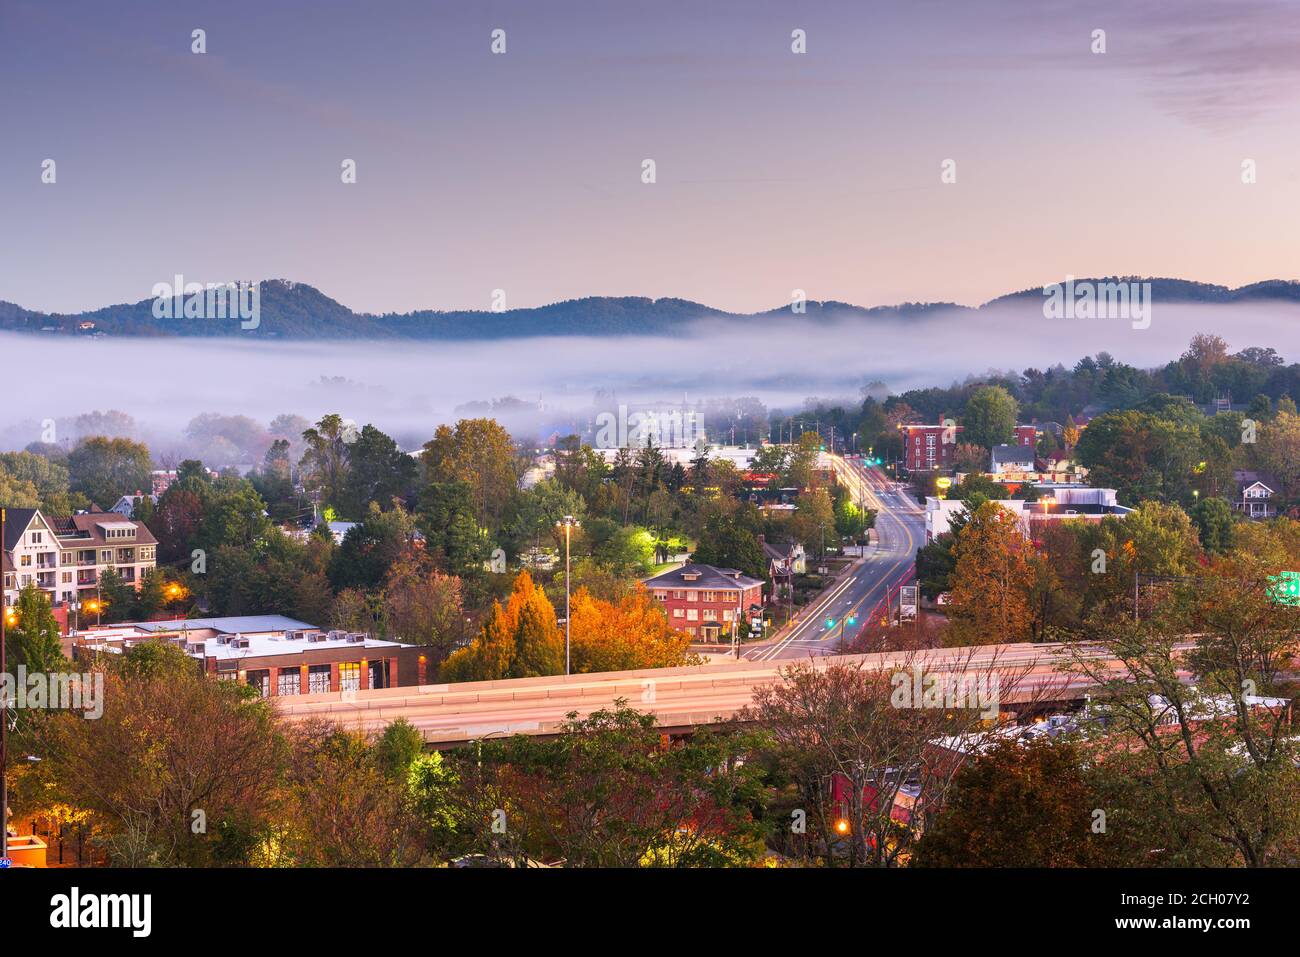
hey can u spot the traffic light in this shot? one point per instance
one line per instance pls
(830, 622)
(851, 620)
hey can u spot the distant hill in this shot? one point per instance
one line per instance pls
(291, 310)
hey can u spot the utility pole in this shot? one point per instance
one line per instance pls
(569, 522)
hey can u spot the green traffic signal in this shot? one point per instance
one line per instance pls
(830, 622)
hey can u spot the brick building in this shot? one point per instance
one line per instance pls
(704, 601)
(930, 447)
(275, 654)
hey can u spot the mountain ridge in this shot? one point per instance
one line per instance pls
(297, 311)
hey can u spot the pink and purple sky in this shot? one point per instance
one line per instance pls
(522, 171)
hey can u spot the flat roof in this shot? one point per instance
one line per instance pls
(238, 624)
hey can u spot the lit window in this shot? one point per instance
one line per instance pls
(350, 676)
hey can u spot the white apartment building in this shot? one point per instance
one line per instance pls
(64, 557)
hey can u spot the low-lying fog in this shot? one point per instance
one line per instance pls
(408, 387)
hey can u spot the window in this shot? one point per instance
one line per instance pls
(679, 612)
(318, 679)
(288, 682)
(25, 561)
(350, 676)
(66, 578)
(261, 680)
(106, 556)
(36, 538)
(692, 615)
(710, 614)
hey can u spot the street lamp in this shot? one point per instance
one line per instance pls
(568, 523)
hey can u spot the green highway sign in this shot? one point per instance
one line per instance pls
(1285, 589)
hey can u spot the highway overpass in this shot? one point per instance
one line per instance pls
(682, 699)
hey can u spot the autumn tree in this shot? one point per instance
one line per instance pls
(620, 636)
(1019, 804)
(179, 769)
(994, 573)
(607, 791)
(520, 639)
(423, 606)
(481, 454)
(1205, 771)
(849, 745)
(342, 806)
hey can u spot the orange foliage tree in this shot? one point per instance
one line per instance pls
(519, 640)
(632, 633)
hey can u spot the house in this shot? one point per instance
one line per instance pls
(65, 557)
(783, 563)
(278, 656)
(340, 530)
(1256, 492)
(125, 506)
(1012, 458)
(704, 601)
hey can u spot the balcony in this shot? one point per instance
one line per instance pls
(84, 579)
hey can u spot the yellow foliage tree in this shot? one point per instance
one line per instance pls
(992, 581)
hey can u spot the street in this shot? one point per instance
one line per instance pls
(900, 530)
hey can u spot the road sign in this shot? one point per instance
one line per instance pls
(1285, 588)
(907, 599)
(6, 862)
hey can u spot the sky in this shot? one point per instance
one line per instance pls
(522, 171)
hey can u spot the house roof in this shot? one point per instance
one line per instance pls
(1019, 454)
(1245, 478)
(16, 522)
(87, 528)
(702, 576)
(778, 553)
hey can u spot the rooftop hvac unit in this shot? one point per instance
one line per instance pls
(357, 637)
(338, 635)
(317, 636)
(241, 643)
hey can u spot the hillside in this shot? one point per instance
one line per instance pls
(292, 310)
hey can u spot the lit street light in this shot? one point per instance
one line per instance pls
(568, 523)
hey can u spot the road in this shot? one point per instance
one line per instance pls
(681, 698)
(900, 531)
